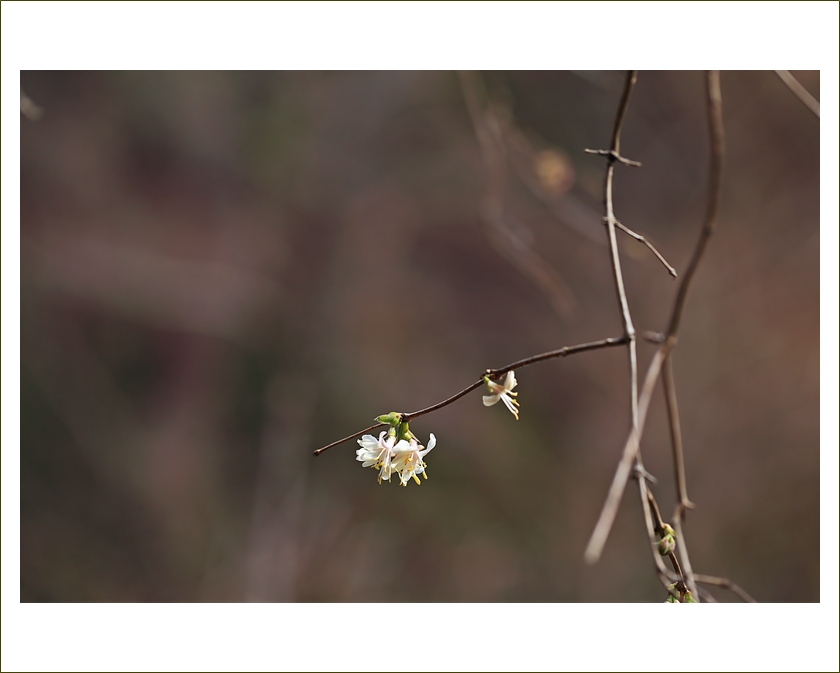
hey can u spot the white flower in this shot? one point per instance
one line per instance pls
(503, 393)
(408, 459)
(378, 453)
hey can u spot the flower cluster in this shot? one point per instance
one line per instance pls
(398, 451)
(389, 456)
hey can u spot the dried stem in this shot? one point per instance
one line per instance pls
(713, 199)
(799, 91)
(493, 374)
(496, 373)
(725, 584)
(613, 155)
(654, 526)
(676, 438)
(610, 509)
(690, 578)
(608, 512)
(649, 245)
(348, 438)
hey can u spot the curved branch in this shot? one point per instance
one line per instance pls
(492, 373)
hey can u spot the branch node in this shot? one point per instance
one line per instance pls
(613, 157)
(642, 239)
(641, 473)
(684, 506)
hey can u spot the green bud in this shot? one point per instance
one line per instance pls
(392, 419)
(689, 598)
(667, 545)
(403, 432)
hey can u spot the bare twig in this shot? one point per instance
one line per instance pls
(689, 575)
(649, 245)
(654, 527)
(676, 438)
(799, 91)
(492, 373)
(613, 155)
(610, 508)
(726, 584)
(684, 577)
(348, 438)
(713, 199)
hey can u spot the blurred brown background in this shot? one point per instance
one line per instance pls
(221, 272)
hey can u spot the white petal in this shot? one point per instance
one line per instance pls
(510, 381)
(402, 447)
(490, 400)
(432, 442)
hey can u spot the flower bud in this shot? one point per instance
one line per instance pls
(667, 545)
(392, 419)
(404, 433)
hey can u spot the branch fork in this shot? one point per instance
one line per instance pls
(613, 156)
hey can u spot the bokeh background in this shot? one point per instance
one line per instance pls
(222, 271)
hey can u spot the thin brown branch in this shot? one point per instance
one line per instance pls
(654, 527)
(799, 91)
(492, 373)
(348, 438)
(682, 548)
(613, 155)
(629, 331)
(593, 551)
(658, 522)
(713, 200)
(495, 373)
(676, 438)
(684, 577)
(726, 584)
(610, 508)
(649, 245)
(628, 456)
